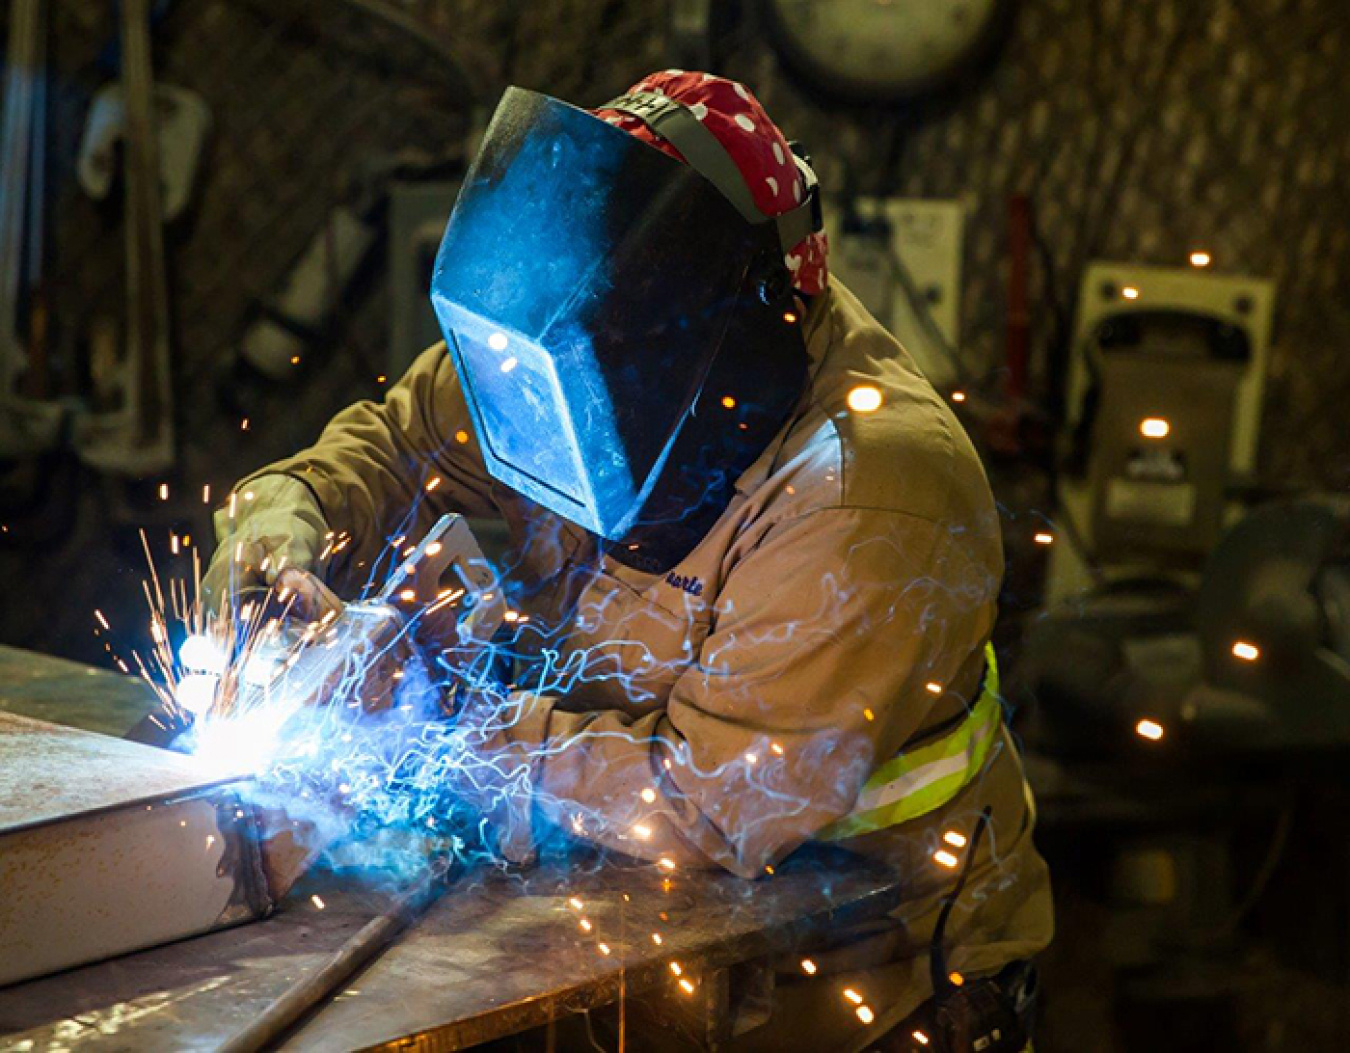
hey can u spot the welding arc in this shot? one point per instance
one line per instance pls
(305, 996)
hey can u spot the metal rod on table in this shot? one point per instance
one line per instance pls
(306, 994)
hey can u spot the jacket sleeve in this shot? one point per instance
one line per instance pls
(390, 468)
(826, 635)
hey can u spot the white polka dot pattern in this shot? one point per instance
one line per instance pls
(755, 144)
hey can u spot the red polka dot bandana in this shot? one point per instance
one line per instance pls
(755, 144)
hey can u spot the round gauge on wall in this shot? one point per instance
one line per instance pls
(882, 51)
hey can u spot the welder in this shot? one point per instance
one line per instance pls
(736, 506)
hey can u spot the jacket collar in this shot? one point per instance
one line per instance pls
(818, 331)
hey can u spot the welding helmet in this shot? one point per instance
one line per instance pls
(622, 324)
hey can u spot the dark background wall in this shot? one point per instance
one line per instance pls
(1141, 130)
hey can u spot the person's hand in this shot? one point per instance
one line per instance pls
(277, 524)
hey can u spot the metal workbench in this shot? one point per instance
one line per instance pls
(501, 952)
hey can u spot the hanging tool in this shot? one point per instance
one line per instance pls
(131, 431)
(184, 120)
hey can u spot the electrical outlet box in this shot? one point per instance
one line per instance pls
(926, 238)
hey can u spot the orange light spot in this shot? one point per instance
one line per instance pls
(1248, 652)
(1149, 729)
(728, 402)
(958, 396)
(1154, 428)
(944, 858)
(864, 399)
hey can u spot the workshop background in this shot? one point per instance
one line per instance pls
(1138, 132)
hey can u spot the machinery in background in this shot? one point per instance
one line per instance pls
(1163, 408)
(1191, 666)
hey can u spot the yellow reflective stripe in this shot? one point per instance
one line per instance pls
(921, 780)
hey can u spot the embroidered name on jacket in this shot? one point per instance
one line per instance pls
(690, 585)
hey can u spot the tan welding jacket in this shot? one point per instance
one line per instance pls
(727, 711)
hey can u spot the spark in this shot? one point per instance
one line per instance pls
(921, 1038)
(1201, 259)
(461, 436)
(945, 858)
(1154, 428)
(585, 924)
(656, 939)
(728, 402)
(1043, 538)
(790, 317)
(676, 968)
(666, 863)
(381, 379)
(435, 482)
(575, 903)
(958, 396)
(808, 967)
(101, 620)
(163, 491)
(1130, 292)
(853, 996)
(778, 749)
(243, 425)
(206, 494)
(864, 399)
(955, 838)
(933, 688)
(295, 360)
(751, 758)
(688, 987)
(202, 654)
(648, 795)
(869, 714)
(1248, 652)
(604, 948)
(865, 1014)
(1149, 729)
(317, 900)
(210, 840)
(956, 979)
(642, 831)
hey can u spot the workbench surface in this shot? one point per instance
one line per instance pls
(499, 953)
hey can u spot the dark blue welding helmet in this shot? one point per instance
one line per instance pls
(623, 325)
